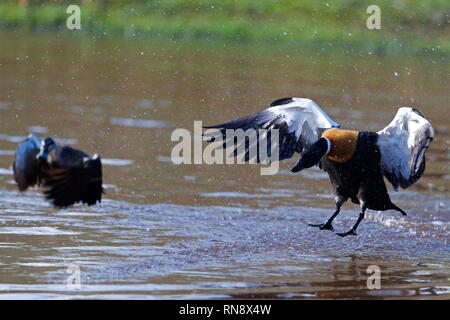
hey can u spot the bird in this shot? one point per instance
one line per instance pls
(68, 175)
(356, 161)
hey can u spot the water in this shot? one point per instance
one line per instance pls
(199, 231)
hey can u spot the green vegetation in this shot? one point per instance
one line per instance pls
(412, 27)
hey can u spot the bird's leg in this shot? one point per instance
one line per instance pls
(327, 225)
(352, 231)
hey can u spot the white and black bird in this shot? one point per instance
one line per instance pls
(356, 162)
(68, 175)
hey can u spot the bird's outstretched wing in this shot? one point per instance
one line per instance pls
(300, 123)
(402, 145)
(26, 166)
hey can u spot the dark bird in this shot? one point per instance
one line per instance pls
(355, 161)
(68, 175)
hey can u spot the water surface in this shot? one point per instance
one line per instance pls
(199, 231)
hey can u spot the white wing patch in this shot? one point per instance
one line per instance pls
(402, 145)
(305, 118)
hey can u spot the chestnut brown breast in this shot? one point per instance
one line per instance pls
(343, 144)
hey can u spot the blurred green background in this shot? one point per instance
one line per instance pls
(407, 27)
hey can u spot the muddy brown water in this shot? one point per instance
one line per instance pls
(218, 231)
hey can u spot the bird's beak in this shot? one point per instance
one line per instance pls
(298, 167)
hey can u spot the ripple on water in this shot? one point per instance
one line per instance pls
(18, 139)
(5, 171)
(14, 139)
(242, 195)
(215, 250)
(35, 231)
(38, 129)
(168, 159)
(116, 162)
(7, 152)
(138, 123)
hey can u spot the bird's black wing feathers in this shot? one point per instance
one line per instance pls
(299, 123)
(263, 120)
(66, 186)
(251, 121)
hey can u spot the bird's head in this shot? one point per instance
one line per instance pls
(45, 145)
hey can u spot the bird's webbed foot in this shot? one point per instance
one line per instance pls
(323, 226)
(352, 232)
